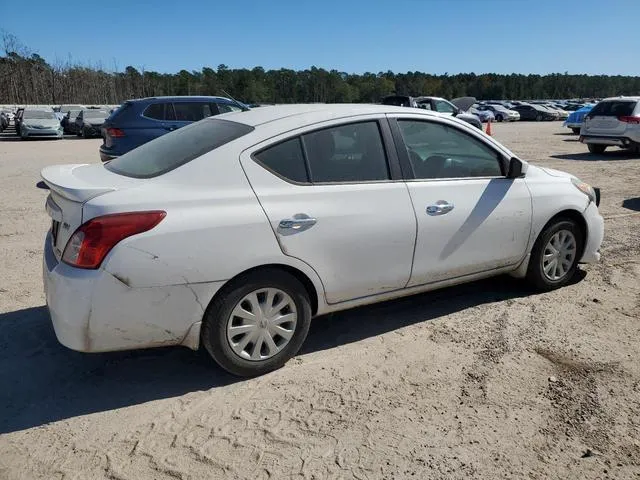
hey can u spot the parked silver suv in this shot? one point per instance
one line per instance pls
(613, 122)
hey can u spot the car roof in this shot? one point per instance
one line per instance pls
(314, 113)
(629, 99)
(188, 98)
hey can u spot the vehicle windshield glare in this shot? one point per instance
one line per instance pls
(174, 149)
(39, 115)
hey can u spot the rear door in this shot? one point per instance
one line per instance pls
(605, 117)
(335, 200)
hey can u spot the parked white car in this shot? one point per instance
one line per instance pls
(235, 231)
(612, 122)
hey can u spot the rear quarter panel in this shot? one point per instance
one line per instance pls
(214, 229)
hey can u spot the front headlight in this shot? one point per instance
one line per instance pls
(585, 188)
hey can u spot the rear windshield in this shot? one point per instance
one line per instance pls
(174, 149)
(614, 109)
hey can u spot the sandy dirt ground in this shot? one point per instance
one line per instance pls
(486, 380)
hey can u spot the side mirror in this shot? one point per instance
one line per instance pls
(515, 168)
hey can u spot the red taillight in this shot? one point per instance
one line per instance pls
(115, 132)
(630, 119)
(93, 240)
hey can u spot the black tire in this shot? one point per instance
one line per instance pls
(539, 117)
(84, 133)
(576, 131)
(595, 148)
(499, 118)
(535, 273)
(214, 335)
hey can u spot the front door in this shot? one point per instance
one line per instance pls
(332, 203)
(471, 218)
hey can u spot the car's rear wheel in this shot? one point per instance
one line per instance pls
(257, 323)
(555, 255)
(595, 148)
(539, 117)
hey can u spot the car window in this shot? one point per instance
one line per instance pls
(444, 107)
(440, 151)
(426, 105)
(285, 159)
(155, 111)
(174, 149)
(348, 153)
(613, 109)
(227, 107)
(191, 111)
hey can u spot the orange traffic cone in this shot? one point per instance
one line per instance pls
(489, 127)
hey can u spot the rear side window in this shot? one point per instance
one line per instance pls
(347, 153)
(160, 111)
(613, 109)
(226, 108)
(155, 111)
(285, 159)
(191, 111)
(170, 151)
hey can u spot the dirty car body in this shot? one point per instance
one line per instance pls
(146, 250)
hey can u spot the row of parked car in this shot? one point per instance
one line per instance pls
(477, 112)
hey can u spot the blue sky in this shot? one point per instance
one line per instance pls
(437, 36)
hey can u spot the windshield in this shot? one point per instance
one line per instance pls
(95, 114)
(74, 113)
(174, 149)
(40, 115)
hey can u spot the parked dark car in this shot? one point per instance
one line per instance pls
(138, 121)
(4, 121)
(437, 104)
(68, 122)
(17, 119)
(89, 122)
(534, 112)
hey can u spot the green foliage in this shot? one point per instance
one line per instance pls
(28, 78)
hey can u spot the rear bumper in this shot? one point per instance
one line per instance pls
(41, 133)
(106, 155)
(608, 140)
(93, 311)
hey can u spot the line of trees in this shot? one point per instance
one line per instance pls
(27, 78)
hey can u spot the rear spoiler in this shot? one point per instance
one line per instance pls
(60, 179)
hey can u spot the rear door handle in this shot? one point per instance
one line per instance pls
(439, 208)
(298, 223)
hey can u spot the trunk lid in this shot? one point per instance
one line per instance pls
(603, 118)
(71, 186)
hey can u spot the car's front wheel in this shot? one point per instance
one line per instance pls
(555, 255)
(595, 148)
(257, 323)
(499, 118)
(576, 131)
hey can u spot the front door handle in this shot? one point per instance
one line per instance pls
(298, 223)
(439, 208)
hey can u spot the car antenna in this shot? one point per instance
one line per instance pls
(242, 107)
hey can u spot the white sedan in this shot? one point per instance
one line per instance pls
(232, 233)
